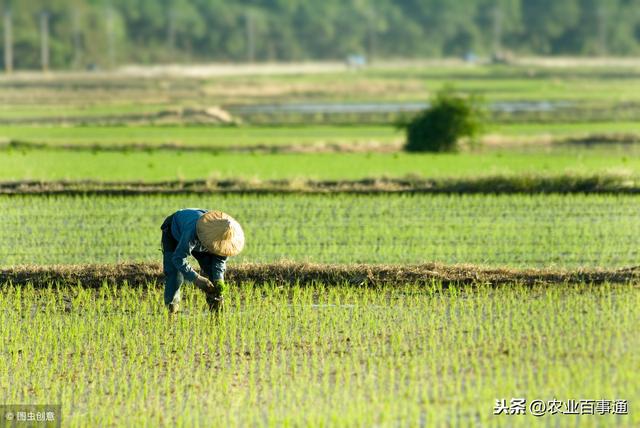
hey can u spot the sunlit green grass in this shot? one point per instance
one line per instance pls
(169, 165)
(212, 136)
(75, 109)
(327, 354)
(60, 97)
(226, 137)
(494, 83)
(563, 129)
(324, 355)
(517, 230)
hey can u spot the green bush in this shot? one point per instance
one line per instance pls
(440, 127)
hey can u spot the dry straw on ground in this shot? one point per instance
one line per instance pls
(288, 273)
(488, 142)
(523, 184)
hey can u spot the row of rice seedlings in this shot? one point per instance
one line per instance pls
(319, 355)
(521, 231)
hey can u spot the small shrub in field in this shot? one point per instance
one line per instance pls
(440, 127)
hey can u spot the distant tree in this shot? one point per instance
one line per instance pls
(110, 32)
(500, 25)
(450, 117)
(546, 23)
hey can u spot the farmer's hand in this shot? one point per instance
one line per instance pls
(215, 300)
(204, 284)
(219, 287)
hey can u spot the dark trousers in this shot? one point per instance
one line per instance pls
(212, 266)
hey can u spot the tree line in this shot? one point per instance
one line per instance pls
(102, 33)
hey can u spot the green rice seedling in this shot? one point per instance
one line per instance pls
(321, 355)
(509, 230)
(155, 166)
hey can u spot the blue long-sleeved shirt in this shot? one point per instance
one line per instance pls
(183, 229)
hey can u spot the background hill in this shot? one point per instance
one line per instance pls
(109, 32)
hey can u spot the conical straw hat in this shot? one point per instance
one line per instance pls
(220, 233)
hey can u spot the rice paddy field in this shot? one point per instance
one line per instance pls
(325, 355)
(46, 165)
(541, 217)
(566, 231)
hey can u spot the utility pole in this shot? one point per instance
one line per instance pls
(8, 42)
(77, 48)
(111, 48)
(497, 30)
(44, 40)
(250, 37)
(602, 29)
(371, 34)
(171, 29)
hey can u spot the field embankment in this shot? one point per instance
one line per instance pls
(499, 184)
(142, 274)
(298, 141)
(160, 166)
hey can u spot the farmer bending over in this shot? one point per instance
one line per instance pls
(211, 237)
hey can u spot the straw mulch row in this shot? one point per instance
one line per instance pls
(144, 274)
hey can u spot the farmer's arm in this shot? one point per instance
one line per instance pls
(218, 266)
(179, 259)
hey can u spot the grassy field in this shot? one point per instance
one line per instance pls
(517, 231)
(211, 136)
(564, 129)
(321, 356)
(253, 136)
(171, 165)
(88, 98)
(317, 329)
(377, 82)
